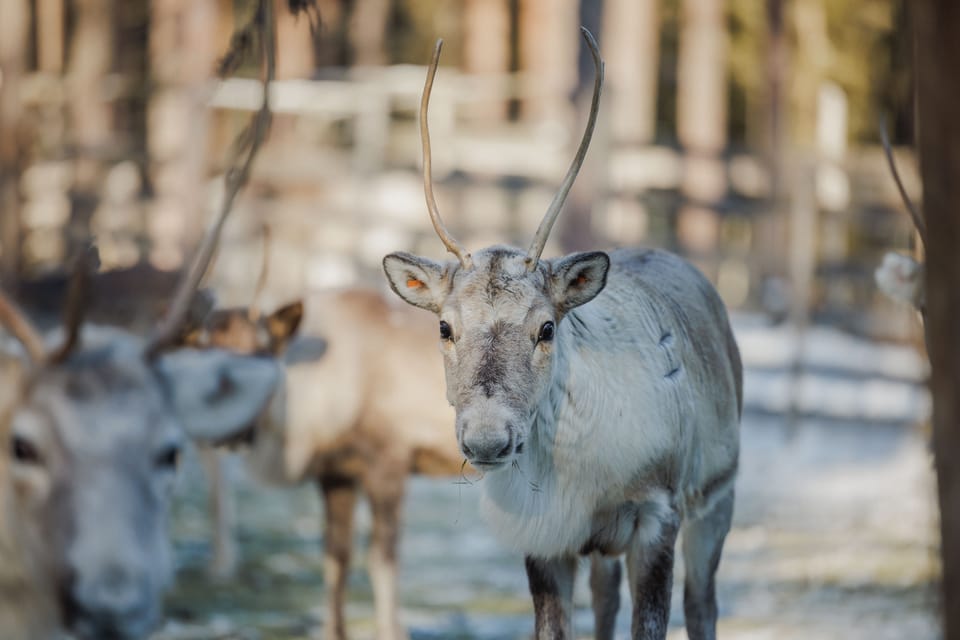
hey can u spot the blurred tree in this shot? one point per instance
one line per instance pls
(13, 43)
(937, 24)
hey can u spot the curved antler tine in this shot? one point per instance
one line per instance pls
(543, 231)
(85, 265)
(253, 312)
(914, 214)
(448, 241)
(20, 327)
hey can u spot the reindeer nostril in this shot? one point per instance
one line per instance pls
(505, 451)
(467, 451)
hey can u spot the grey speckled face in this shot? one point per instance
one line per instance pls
(95, 450)
(498, 326)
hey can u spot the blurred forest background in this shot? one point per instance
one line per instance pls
(741, 134)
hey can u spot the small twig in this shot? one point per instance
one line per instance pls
(246, 146)
(914, 214)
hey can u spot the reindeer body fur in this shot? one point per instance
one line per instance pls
(354, 413)
(650, 365)
(603, 431)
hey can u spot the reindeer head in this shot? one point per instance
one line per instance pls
(501, 312)
(92, 442)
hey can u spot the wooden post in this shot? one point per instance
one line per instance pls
(549, 45)
(50, 35)
(702, 122)
(486, 47)
(90, 118)
(631, 39)
(13, 41)
(937, 24)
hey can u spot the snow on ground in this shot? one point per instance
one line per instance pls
(834, 535)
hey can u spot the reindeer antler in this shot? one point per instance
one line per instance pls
(448, 240)
(249, 141)
(543, 231)
(78, 292)
(253, 312)
(914, 214)
(16, 322)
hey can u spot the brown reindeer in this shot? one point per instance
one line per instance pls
(355, 413)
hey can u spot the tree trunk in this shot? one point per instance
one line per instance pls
(13, 40)
(937, 24)
(702, 123)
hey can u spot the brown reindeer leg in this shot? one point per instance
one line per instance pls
(650, 571)
(605, 576)
(339, 500)
(385, 488)
(551, 585)
(223, 563)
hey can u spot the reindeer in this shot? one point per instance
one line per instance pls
(93, 433)
(349, 413)
(600, 396)
(93, 426)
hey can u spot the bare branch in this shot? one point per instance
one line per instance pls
(253, 312)
(448, 240)
(21, 328)
(914, 214)
(543, 231)
(85, 266)
(245, 150)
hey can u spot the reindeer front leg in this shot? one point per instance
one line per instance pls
(339, 500)
(650, 572)
(385, 488)
(551, 585)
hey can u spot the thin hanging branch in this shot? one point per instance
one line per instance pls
(914, 214)
(244, 151)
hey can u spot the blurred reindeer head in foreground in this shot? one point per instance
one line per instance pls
(93, 433)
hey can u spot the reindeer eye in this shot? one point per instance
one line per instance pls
(445, 333)
(23, 451)
(546, 332)
(168, 457)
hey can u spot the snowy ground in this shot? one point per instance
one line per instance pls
(834, 536)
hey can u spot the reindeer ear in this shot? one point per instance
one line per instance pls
(577, 278)
(216, 394)
(417, 280)
(284, 322)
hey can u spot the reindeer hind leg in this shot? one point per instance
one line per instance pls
(702, 545)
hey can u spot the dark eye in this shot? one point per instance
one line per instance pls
(167, 458)
(445, 333)
(546, 332)
(23, 451)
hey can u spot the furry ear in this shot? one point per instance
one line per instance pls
(577, 278)
(217, 394)
(283, 323)
(417, 280)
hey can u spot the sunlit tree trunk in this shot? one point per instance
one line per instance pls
(13, 41)
(702, 122)
(631, 39)
(937, 24)
(486, 47)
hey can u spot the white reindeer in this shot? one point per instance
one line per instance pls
(350, 414)
(600, 394)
